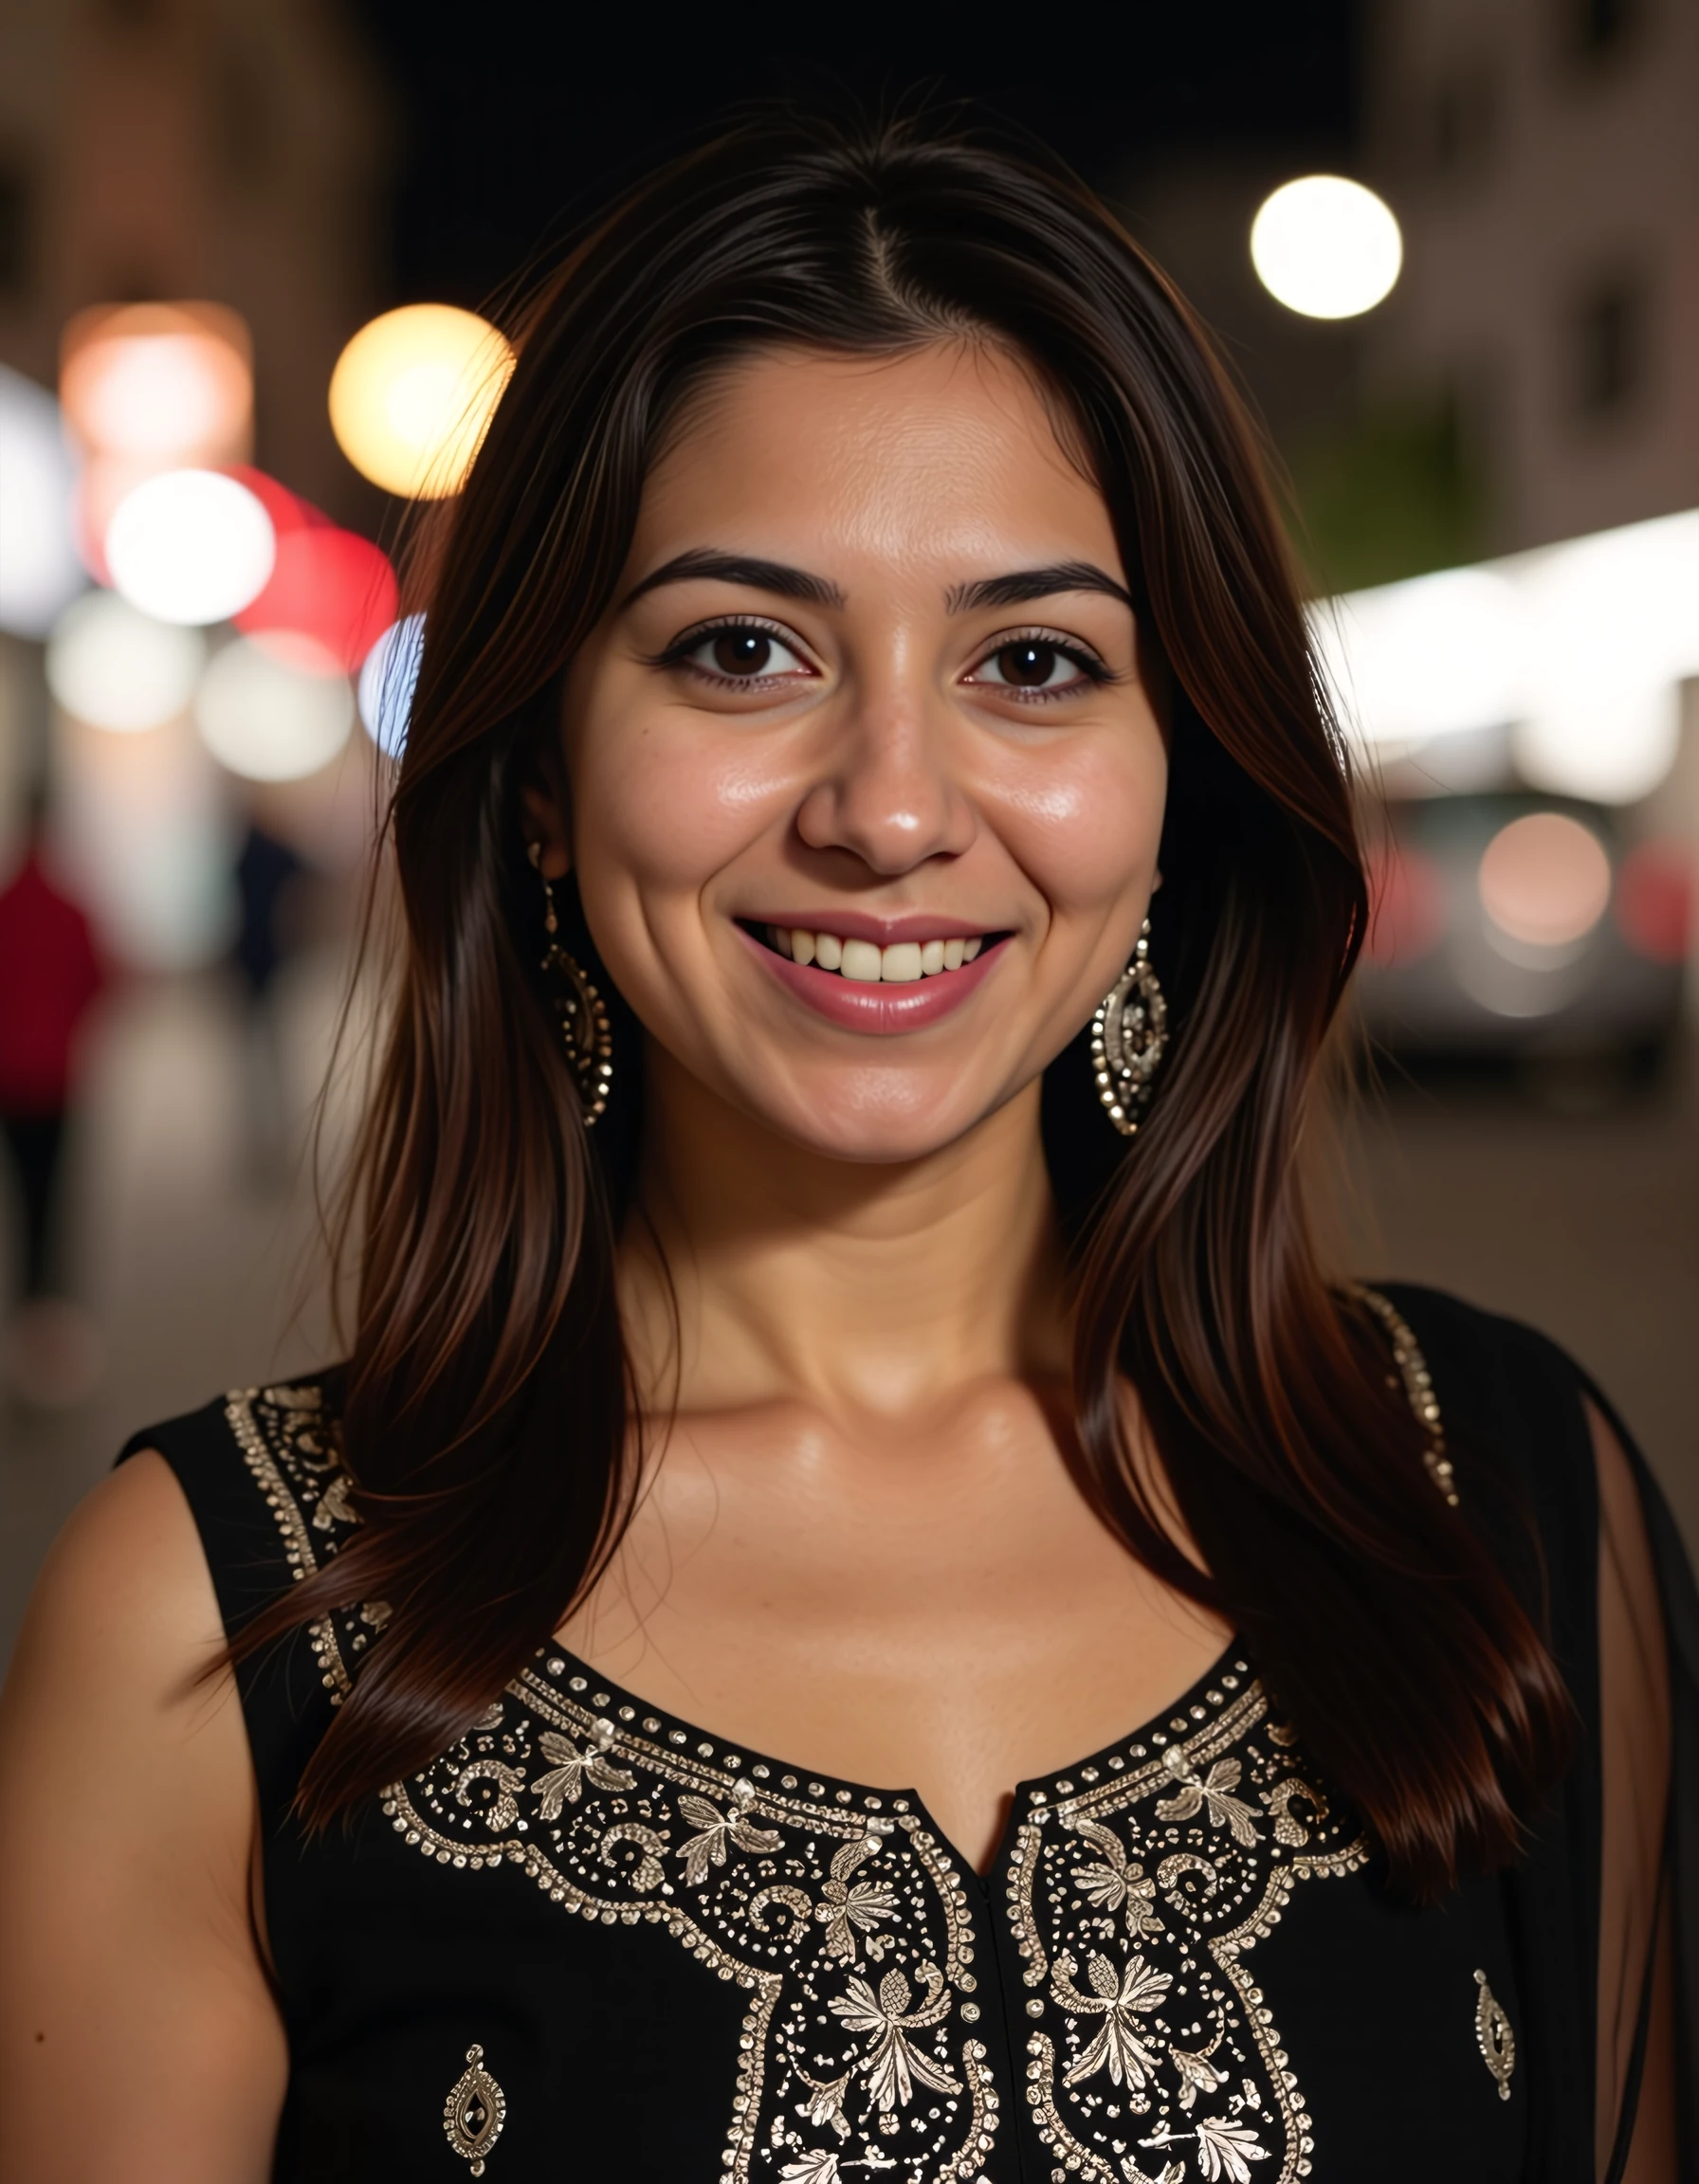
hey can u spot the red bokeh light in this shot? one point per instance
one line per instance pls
(1406, 906)
(328, 584)
(1654, 901)
(289, 511)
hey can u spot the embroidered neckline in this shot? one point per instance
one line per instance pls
(600, 1695)
(1133, 1887)
(1132, 1908)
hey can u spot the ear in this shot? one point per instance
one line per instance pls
(544, 822)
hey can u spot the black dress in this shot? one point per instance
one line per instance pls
(594, 1941)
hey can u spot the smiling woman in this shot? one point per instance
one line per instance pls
(862, 1601)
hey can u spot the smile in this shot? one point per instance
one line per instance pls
(906, 983)
(900, 964)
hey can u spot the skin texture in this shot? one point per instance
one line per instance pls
(862, 1549)
(860, 1546)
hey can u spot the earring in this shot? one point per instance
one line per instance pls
(584, 1025)
(1128, 1034)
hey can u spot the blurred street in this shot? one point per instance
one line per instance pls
(195, 1266)
(190, 1258)
(246, 255)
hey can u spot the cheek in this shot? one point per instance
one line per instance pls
(1087, 833)
(665, 807)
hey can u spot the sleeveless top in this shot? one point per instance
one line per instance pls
(591, 1940)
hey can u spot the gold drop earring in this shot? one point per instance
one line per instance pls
(584, 1026)
(1128, 1034)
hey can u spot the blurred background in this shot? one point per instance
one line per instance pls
(1452, 252)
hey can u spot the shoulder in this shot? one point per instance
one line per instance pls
(1512, 1406)
(271, 1501)
(262, 1472)
(135, 1996)
(1506, 1394)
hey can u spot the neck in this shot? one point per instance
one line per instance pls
(865, 1288)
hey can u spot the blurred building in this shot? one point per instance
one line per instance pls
(1542, 156)
(228, 149)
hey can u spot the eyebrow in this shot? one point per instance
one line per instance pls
(739, 569)
(1014, 590)
(1025, 584)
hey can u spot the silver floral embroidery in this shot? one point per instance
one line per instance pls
(785, 1894)
(1115, 1881)
(1160, 2061)
(894, 2066)
(852, 1907)
(1213, 1792)
(1117, 1999)
(565, 1779)
(1155, 2057)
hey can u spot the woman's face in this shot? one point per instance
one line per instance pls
(866, 788)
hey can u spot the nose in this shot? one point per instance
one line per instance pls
(888, 791)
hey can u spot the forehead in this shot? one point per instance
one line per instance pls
(945, 456)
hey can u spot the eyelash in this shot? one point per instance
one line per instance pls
(1096, 671)
(678, 653)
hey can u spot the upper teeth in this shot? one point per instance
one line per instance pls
(900, 964)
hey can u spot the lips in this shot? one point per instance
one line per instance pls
(859, 992)
(896, 963)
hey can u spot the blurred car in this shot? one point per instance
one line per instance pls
(1515, 927)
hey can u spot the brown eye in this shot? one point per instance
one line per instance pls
(1027, 666)
(1039, 666)
(741, 652)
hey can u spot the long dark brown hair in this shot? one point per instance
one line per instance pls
(490, 1414)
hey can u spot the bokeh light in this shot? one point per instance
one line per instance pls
(116, 667)
(1406, 906)
(1654, 901)
(1432, 656)
(387, 683)
(1326, 247)
(412, 395)
(142, 826)
(1607, 747)
(1545, 879)
(40, 571)
(274, 707)
(330, 585)
(170, 383)
(190, 546)
(146, 388)
(1619, 621)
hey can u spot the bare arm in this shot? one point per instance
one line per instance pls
(1636, 1731)
(140, 2041)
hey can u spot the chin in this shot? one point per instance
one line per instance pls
(873, 1126)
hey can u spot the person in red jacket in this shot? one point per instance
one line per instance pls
(49, 974)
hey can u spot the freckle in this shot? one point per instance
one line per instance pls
(40, 2037)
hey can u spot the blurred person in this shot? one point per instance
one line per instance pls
(266, 870)
(50, 977)
(767, 1388)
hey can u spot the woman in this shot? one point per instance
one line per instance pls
(767, 1390)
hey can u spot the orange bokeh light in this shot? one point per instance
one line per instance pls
(146, 388)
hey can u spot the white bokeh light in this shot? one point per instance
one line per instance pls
(387, 682)
(274, 708)
(190, 546)
(1610, 749)
(1433, 656)
(118, 669)
(40, 571)
(1574, 652)
(1326, 247)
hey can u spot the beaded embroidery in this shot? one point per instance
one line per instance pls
(1136, 1904)
(1135, 1896)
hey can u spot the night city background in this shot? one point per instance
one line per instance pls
(1490, 442)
